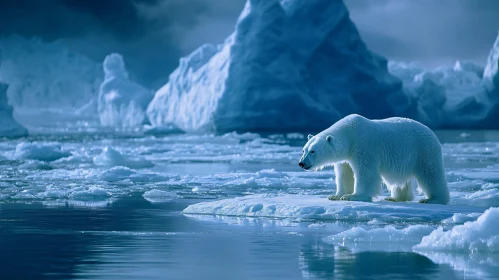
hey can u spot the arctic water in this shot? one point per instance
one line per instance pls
(109, 205)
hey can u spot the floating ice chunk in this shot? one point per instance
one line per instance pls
(110, 157)
(481, 235)
(121, 173)
(159, 196)
(122, 103)
(387, 238)
(42, 152)
(319, 207)
(9, 127)
(89, 194)
(117, 173)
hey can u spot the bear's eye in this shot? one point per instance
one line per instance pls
(312, 152)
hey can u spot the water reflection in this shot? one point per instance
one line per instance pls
(135, 239)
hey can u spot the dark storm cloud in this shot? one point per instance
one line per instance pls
(153, 34)
(430, 31)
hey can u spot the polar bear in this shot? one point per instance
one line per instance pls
(367, 152)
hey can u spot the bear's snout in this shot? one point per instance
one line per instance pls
(301, 164)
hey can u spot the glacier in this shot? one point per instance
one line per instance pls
(289, 66)
(121, 102)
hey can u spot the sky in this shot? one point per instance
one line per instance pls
(153, 34)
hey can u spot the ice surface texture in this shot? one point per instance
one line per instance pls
(122, 103)
(318, 207)
(289, 66)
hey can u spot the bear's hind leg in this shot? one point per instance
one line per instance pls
(344, 180)
(433, 183)
(401, 193)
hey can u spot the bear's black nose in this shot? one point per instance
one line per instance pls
(301, 164)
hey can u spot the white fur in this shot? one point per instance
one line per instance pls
(366, 153)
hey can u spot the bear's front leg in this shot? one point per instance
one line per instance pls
(344, 180)
(367, 184)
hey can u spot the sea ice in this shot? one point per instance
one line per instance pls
(481, 235)
(320, 208)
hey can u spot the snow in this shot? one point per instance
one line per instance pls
(111, 158)
(9, 127)
(481, 235)
(40, 151)
(121, 102)
(320, 208)
(281, 70)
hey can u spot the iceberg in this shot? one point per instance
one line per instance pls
(9, 127)
(122, 103)
(290, 65)
(47, 79)
(463, 96)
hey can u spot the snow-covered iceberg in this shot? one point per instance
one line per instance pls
(290, 65)
(9, 127)
(463, 96)
(122, 103)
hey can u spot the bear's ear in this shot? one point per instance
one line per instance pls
(329, 138)
(310, 136)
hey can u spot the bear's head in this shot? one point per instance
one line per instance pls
(321, 151)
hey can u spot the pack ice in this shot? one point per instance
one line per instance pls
(290, 65)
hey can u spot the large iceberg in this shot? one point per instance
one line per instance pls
(465, 95)
(122, 103)
(289, 65)
(9, 127)
(46, 78)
